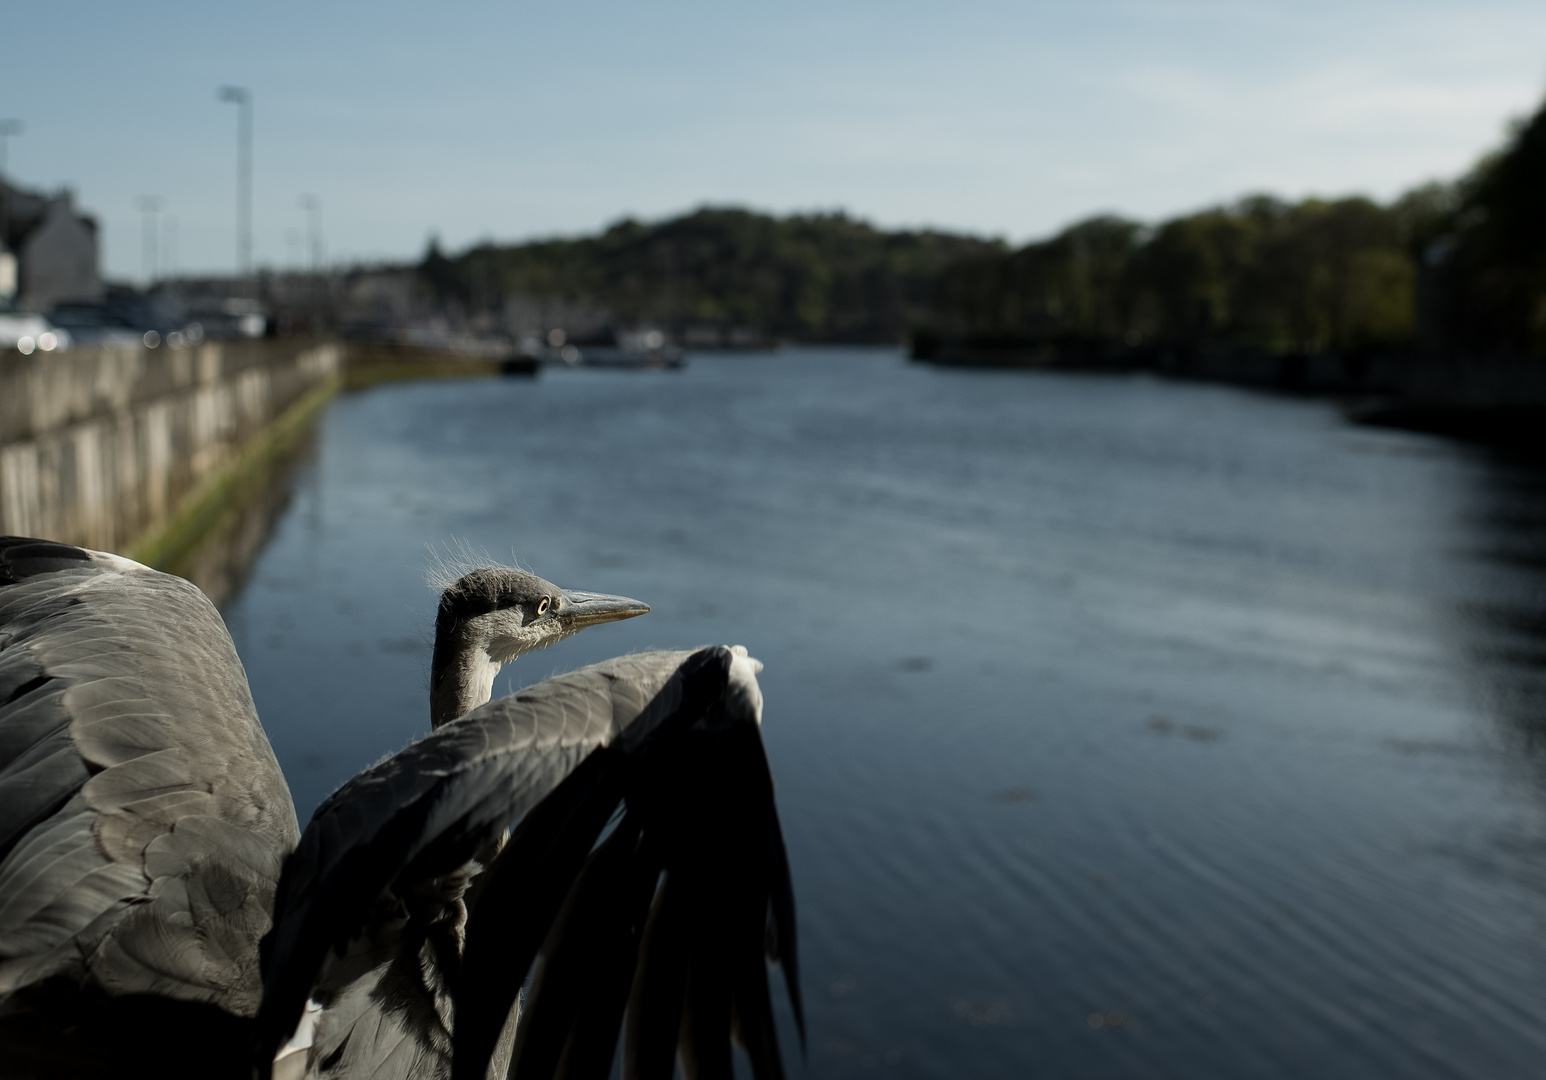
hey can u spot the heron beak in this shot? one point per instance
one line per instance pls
(582, 609)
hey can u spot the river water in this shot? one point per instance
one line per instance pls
(1122, 728)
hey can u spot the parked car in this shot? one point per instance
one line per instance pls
(125, 318)
(106, 323)
(27, 333)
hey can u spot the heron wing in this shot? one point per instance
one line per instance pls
(143, 818)
(391, 850)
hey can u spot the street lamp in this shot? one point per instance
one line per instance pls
(313, 210)
(150, 227)
(7, 129)
(169, 248)
(242, 99)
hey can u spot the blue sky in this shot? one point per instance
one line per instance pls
(510, 121)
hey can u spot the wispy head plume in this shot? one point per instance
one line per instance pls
(447, 563)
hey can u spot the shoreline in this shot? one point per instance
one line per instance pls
(1492, 400)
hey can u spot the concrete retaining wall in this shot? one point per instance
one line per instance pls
(99, 446)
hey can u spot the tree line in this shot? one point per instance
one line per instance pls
(816, 277)
(1316, 276)
(1458, 266)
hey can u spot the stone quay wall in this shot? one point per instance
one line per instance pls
(102, 446)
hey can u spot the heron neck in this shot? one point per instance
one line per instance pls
(465, 682)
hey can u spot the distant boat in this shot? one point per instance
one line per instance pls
(614, 356)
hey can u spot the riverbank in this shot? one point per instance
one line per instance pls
(154, 452)
(106, 446)
(1498, 400)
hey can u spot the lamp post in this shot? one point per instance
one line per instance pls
(242, 99)
(313, 210)
(150, 227)
(169, 248)
(7, 129)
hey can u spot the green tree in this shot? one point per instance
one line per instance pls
(819, 276)
(1488, 276)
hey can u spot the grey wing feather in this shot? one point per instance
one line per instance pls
(665, 927)
(371, 917)
(143, 818)
(343, 931)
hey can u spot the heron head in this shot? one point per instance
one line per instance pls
(490, 616)
(506, 612)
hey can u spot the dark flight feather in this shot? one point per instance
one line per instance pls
(635, 930)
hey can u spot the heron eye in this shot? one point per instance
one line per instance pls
(542, 606)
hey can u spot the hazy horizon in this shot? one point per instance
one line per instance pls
(484, 122)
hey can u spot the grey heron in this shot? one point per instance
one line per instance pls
(160, 911)
(489, 616)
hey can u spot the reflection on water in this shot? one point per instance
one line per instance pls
(1503, 625)
(219, 561)
(1122, 728)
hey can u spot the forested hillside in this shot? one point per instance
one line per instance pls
(1450, 267)
(1458, 267)
(1306, 277)
(1485, 281)
(817, 277)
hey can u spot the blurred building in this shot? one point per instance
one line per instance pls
(55, 247)
(7, 275)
